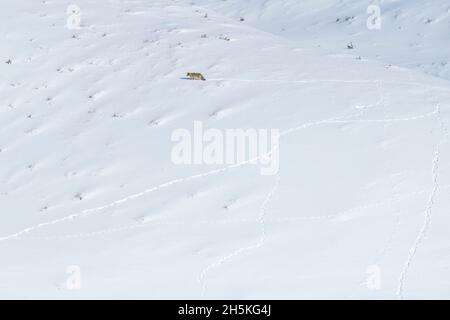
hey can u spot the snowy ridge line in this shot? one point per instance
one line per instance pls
(361, 81)
(226, 258)
(227, 221)
(201, 175)
(428, 210)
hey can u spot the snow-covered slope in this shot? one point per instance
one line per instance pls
(87, 181)
(411, 34)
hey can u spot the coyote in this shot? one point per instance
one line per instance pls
(196, 76)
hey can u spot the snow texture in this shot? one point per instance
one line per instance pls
(86, 177)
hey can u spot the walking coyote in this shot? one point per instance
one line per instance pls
(196, 76)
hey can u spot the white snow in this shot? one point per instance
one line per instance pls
(86, 177)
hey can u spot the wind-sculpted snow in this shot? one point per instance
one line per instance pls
(91, 94)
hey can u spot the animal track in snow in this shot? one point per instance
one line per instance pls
(428, 210)
(239, 251)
